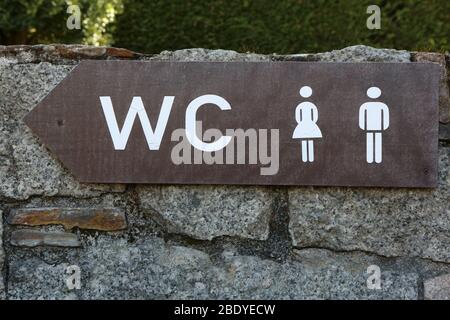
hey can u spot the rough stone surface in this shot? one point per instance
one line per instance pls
(199, 54)
(205, 212)
(33, 238)
(102, 219)
(153, 269)
(2, 257)
(45, 281)
(438, 288)
(362, 53)
(62, 54)
(358, 53)
(389, 222)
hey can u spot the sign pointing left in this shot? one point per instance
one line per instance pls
(324, 124)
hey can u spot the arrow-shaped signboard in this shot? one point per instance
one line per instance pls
(323, 124)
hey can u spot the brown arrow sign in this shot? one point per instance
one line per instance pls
(278, 123)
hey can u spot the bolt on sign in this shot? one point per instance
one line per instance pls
(257, 123)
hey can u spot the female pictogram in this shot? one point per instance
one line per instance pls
(306, 115)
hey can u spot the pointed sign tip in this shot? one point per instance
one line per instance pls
(29, 118)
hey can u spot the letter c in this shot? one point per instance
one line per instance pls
(191, 116)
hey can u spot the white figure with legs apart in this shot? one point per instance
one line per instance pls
(374, 118)
(306, 115)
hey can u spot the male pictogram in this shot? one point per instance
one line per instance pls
(374, 118)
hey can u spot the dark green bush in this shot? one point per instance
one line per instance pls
(44, 21)
(265, 26)
(283, 26)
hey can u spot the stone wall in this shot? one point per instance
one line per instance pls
(146, 242)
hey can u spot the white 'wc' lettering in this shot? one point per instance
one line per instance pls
(191, 115)
(120, 137)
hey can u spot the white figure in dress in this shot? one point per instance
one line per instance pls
(374, 118)
(306, 115)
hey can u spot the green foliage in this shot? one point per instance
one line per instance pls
(22, 21)
(265, 26)
(44, 21)
(98, 16)
(283, 26)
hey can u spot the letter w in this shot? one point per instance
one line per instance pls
(120, 137)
